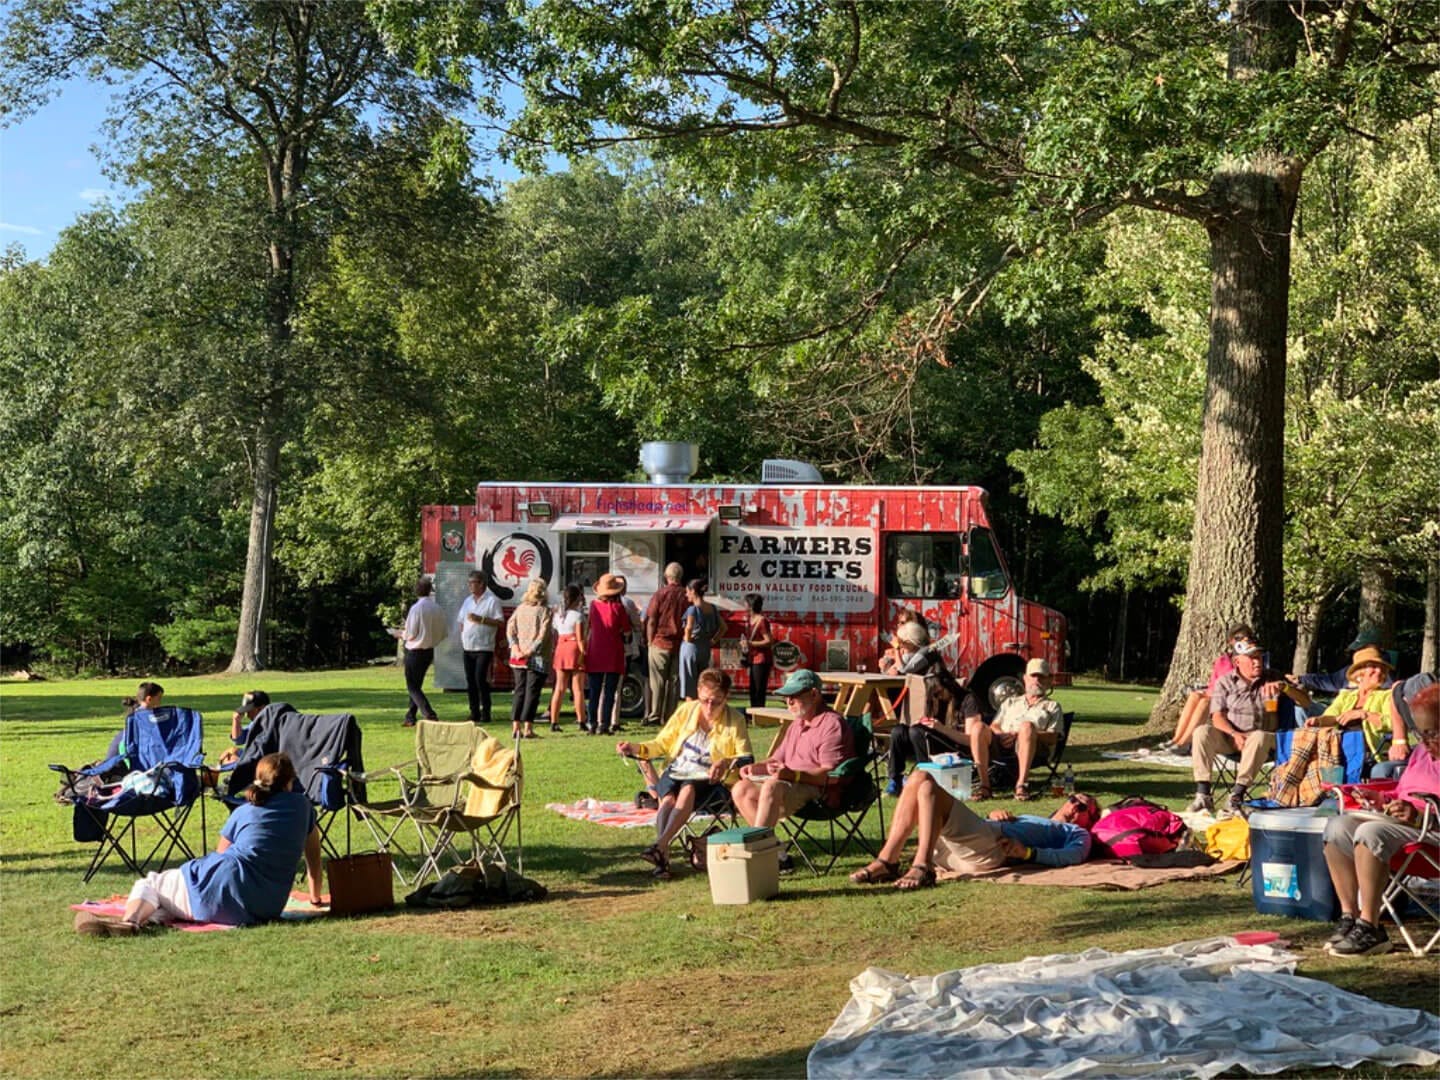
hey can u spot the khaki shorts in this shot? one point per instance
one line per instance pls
(967, 844)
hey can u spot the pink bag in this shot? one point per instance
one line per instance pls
(1137, 827)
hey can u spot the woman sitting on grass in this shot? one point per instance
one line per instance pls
(248, 876)
(705, 741)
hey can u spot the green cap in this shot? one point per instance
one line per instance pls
(800, 680)
(1365, 637)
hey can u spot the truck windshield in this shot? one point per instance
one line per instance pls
(987, 573)
(922, 566)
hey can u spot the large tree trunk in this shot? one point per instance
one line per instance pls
(1236, 552)
(1236, 572)
(1430, 646)
(251, 652)
(1377, 603)
(1307, 635)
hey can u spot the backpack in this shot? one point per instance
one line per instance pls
(1137, 826)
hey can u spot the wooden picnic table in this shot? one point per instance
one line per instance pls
(855, 691)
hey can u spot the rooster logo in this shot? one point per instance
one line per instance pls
(513, 560)
(517, 564)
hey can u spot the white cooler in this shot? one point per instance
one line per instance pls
(954, 778)
(743, 865)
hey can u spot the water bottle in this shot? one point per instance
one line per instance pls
(1069, 780)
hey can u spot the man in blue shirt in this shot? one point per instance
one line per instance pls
(1333, 682)
(950, 836)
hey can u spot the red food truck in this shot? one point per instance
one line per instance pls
(834, 564)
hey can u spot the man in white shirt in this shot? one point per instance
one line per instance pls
(425, 627)
(480, 617)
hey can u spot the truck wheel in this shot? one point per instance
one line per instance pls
(632, 695)
(998, 678)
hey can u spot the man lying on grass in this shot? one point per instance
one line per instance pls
(949, 835)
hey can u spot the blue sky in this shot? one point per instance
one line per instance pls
(49, 172)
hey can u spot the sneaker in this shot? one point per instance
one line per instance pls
(787, 862)
(1200, 803)
(1343, 927)
(1236, 803)
(894, 787)
(1363, 940)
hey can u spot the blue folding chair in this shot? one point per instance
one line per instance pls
(324, 748)
(161, 756)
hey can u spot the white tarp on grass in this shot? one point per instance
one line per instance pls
(1192, 1009)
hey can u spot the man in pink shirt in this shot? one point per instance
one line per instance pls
(815, 740)
(1359, 846)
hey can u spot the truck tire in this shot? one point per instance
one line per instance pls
(996, 679)
(632, 692)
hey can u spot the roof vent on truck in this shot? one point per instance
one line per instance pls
(669, 462)
(786, 471)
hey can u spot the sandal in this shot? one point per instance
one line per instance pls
(917, 877)
(654, 856)
(1022, 793)
(879, 872)
(982, 793)
(661, 873)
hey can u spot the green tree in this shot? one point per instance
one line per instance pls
(284, 87)
(1035, 122)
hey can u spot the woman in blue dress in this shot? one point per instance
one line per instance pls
(247, 878)
(701, 623)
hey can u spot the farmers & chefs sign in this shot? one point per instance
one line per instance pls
(823, 569)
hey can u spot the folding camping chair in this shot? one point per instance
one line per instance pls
(462, 782)
(1005, 765)
(325, 747)
(1414, 880)
(161, 755)
(825, 828)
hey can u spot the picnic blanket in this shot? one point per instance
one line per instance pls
(617, 815)
(1196, 1008)
(297, 907)
(1110, 874)
(1150, 757)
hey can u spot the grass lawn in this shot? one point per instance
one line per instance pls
(613, 976)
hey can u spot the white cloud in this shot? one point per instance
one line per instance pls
(27, 230)
(94, 194)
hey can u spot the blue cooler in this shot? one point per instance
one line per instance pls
(1287, 863)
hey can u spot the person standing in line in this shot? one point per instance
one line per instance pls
(532, 641)
(425, 627)
(663, 618)
(605, 652)
(480, 617)
(759, 648)
(569, 656)
(634, 635)
(702, 623)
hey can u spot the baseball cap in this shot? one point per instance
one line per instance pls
(254, 699)
(1248, 648)
(800, 680)
(1038, 666)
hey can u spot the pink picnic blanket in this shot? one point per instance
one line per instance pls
(298, 907)
(617, 815)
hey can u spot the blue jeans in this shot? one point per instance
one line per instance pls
(600, 689)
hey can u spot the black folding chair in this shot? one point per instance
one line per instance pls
(825, 829)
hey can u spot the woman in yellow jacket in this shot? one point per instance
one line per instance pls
(705, 741)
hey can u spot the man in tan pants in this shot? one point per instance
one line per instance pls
(1236, 708)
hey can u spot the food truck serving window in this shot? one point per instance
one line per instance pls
(922, 566)
(987, 573)
(587, 556)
